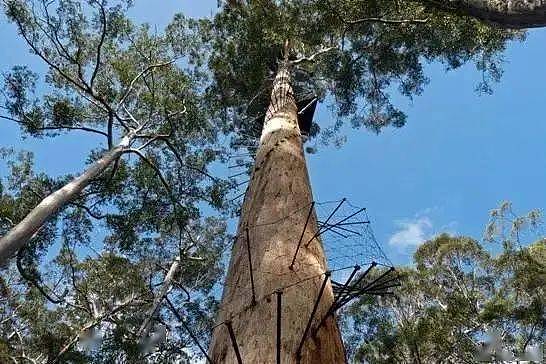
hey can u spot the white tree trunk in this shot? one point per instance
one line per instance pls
(275, 209)
(21, 233)
(165, 286)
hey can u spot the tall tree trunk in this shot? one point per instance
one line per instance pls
(275, 211)
(21, 233)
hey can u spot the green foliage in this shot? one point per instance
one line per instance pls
(454, 296)
(81, 288)
(361, 52)
(83, 285)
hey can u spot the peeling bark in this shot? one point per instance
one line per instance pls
(21, 233)
(514, 14)
(279, 188)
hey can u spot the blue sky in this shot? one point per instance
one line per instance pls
(459, 155)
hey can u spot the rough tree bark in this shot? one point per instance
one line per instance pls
(275, 210)
(21, 233)
(515, 14)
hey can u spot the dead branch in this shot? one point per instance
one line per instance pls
(313, 56)
(141, 74)
(88, 210)
(385, 21)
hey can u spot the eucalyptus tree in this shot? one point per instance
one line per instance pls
(460, 303)
(112, 79)
(273, 60)
(89, 280)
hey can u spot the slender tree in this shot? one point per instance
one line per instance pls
(109, 78)
(88, 301)
(92, 252)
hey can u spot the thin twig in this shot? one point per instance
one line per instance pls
(83, 128)
(142, 73)
(385, 21)
(99, 47)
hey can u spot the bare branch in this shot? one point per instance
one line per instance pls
(74, 282)
(385, 21)
(110, 133)
(381, 20)
(83, 128)
(88, 210)
(131, 300)
(165, 287)
(131, 117)
(11, 119)
(168, 188)
(34, 282)
(101, 42)
(156, 170)
(182, 163)
(150, 141)
(141, 74)
(312, 57)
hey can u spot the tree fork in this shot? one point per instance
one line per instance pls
(279, 187)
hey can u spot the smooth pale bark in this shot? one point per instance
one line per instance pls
(514, 14)
(165, 286)
(275, 210)
(21, 233)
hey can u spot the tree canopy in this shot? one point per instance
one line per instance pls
(128, 259)
(460, 302)
(350, 54)
(94, 267)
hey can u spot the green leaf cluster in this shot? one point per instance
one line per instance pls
(455, 295)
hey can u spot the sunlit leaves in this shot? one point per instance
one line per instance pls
(450, 300)
(381, 48)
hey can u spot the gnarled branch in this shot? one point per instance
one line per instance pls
(514, 14)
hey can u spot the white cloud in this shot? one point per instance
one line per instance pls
(412, 232)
